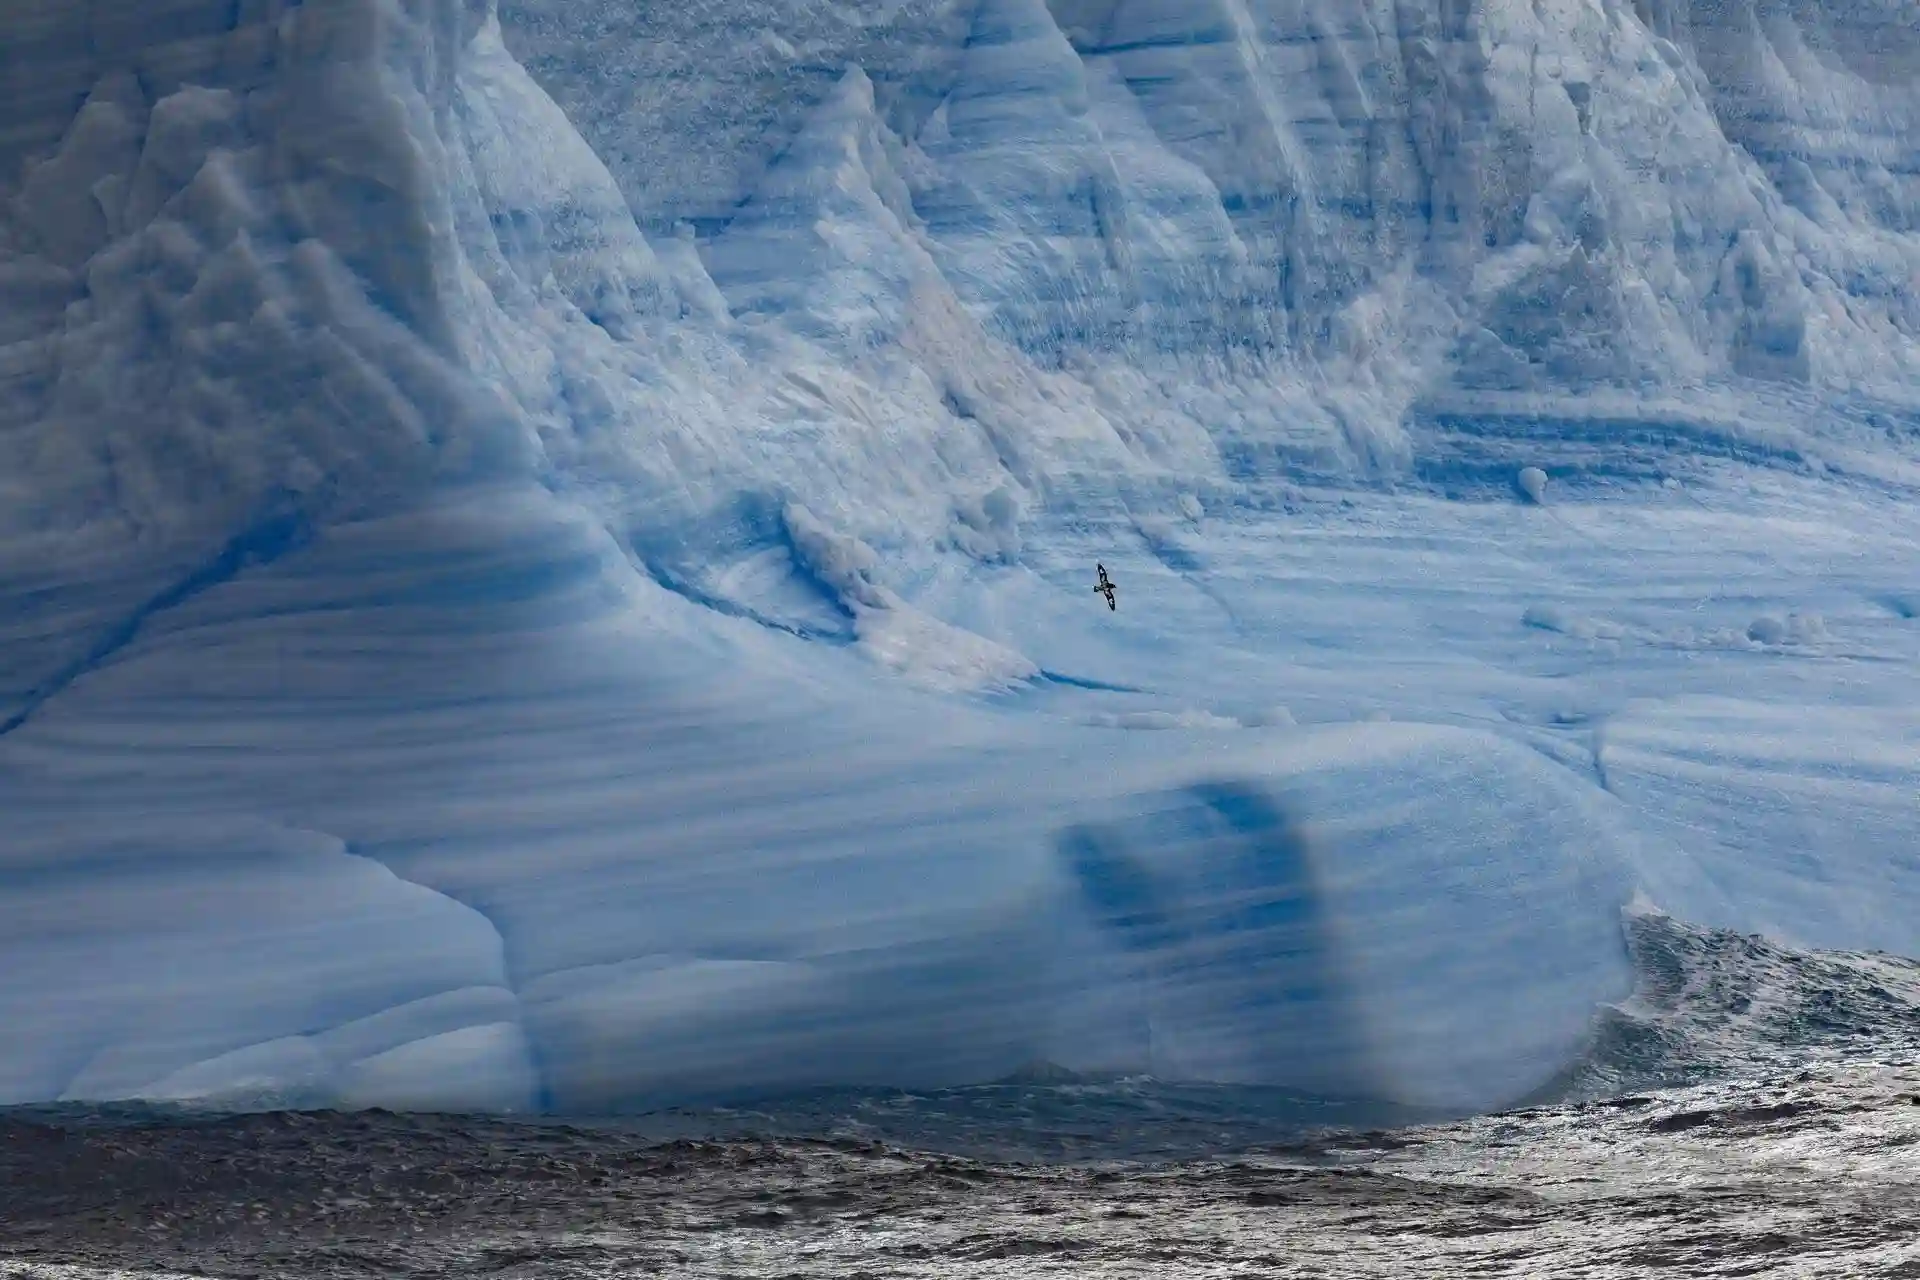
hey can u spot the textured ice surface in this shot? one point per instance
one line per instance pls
(571, 587)
(916, 891)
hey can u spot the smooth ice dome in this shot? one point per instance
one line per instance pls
(545, 549)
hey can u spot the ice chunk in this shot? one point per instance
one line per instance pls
(1533, 483)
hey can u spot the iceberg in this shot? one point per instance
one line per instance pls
(546, 568)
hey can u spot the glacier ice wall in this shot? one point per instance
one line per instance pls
(1122, 238)
(495, 508)
(1521, 195)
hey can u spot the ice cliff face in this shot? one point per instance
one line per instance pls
(1534, 195)
(444, 451)
(1035, 241)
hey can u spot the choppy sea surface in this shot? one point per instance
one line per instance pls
(1751, 1110)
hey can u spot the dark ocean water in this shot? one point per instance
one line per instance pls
(1775, 1131)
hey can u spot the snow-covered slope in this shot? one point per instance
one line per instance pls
(512, 603)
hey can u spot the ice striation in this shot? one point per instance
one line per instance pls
(544, 549)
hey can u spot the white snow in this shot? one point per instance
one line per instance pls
(510, 606)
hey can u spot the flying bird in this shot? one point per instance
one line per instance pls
(1106, 587)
